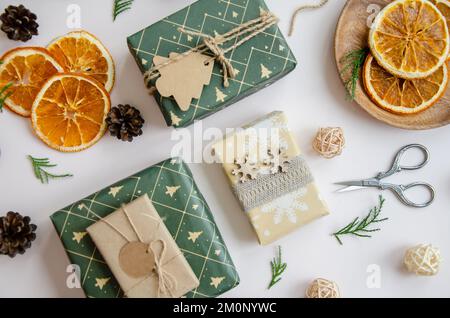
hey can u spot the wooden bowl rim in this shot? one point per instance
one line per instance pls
(376, 112)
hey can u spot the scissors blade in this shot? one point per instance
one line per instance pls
(348, 189)
(359, 183)
(350, 186)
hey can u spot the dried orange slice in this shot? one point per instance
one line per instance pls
(82, 53)
(27, 68)
(69, 112)
(444, 7)
(410, 39)
(402, 96)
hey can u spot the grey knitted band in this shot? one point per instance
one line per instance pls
(266, 188)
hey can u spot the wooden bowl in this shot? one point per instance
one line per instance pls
(352, 33)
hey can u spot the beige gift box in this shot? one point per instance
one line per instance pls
(278, 203)
(160, 270)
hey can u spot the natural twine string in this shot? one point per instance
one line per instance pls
(166, 282)
(300, 9)
(329, 142)
(213, 44)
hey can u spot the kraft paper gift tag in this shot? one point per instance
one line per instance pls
(184, 78)
(141, 252)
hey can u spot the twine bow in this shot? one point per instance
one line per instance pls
(213, 45)
(166, 282)
(247, 31)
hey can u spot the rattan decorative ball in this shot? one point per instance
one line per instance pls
(423, 260)
(329, 142)
(323, 288)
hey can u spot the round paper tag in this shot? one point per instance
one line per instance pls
(136, 259)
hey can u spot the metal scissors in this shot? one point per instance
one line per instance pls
(399, 190)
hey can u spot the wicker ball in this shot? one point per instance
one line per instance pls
(323, 288)
(423, 260)
(329, 142)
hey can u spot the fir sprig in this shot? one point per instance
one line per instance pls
(353, 62)
(362, 228)
(278, 268)
(120, 6)
(4, 95)
(38, 167)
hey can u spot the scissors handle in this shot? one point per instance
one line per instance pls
(397, 166)
(400, 190)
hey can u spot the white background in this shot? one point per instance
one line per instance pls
(312, 96)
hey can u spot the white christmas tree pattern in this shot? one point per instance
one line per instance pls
(175, 119)
(78, 236)
(287, 206)
(101, 282)
(220, 96)
(193, 236)
(265, 72)
(114, 191)
(172, 190)
(216, 281)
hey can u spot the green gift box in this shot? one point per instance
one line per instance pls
(258, 62)
(180, 204)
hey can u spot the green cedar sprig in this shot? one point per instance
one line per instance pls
(120, 6)
(278, 268)
(38, 167)
(4, 95)
(353, 62)
(362, 228)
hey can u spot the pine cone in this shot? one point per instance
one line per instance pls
(16, 234)
(19, 23)
(125, 122)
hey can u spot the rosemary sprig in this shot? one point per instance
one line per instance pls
(361, 227)
(353, 62)
(4, 95)
(38, 167)
(278, 268)
(120, 6)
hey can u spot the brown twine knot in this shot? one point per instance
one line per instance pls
(329, 142)
(219, 53)
(166, 282)
(213, 44)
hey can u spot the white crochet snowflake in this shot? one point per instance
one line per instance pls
(287, 206)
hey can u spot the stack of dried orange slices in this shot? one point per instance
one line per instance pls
(406, 72)
(63, 88)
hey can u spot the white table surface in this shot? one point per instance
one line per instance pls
(312, 96)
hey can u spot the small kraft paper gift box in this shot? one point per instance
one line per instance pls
(270, 177)
(141, 253)
(210, 55)
(173, 194)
